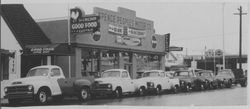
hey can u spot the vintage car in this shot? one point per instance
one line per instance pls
(114, 82)
(240, 77)
(208, 77)
(225, 78)
(157, 81)
(43, 82)
(175, 82)
(188, 80)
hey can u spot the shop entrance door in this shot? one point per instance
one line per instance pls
(128, 67)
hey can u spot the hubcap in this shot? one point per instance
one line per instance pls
(117, 93)
(42, 97)
(141, 91)
(84, 94)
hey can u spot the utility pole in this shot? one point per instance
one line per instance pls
(223, 54)
(240, 34)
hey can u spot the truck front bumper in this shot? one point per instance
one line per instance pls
(101, 91)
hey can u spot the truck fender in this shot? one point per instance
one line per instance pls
(78, 84)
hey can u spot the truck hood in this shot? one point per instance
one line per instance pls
(108, 80)
(149, 79)
(28, 80)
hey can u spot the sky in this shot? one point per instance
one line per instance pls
(193, 25)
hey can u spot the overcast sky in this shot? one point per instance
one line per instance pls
(193, 25)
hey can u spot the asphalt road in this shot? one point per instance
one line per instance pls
(220, 97)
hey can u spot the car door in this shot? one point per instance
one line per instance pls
(164, 80)
(127, 82)
(55, 75)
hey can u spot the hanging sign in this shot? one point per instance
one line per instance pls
(80, 24)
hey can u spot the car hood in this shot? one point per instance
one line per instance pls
(108, 80)
(183, 78)
(28, 80)
(149, 79)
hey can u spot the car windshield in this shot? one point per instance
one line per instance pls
(110, 74)
(182, 73)
(223, 73)
(207, 74)
(38, 72)
(151, 74)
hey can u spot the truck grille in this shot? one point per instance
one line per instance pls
(101, 86)
(18, 89)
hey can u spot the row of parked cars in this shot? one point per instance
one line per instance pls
(44, 82)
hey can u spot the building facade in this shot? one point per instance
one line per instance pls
(121, 40)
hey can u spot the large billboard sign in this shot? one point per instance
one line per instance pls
(80, 24)
(167, 42)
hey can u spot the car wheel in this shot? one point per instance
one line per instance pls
(176, 89)
(188, 88)
(42, 96)
(229, 84)
(118, 93)
(158, 90)
(141, 91)
(83, 94)
(243, 83)
(202, 87)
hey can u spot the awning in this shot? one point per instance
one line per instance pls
(61, 49)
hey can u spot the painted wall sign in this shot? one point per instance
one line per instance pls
(136, 33)
(128, 41)
(115, 29)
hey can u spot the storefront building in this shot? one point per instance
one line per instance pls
(109, 40)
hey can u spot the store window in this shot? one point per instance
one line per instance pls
(147, 62)
(109, 60)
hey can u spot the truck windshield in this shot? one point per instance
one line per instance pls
(111, 74)
(223, 73)
(38, 72)
(207, 74)
(151, 74)
(181, 74)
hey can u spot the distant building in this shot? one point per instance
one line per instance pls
(215, 63)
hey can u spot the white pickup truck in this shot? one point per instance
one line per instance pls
(157, 81)
(114, 82)
(44, 82)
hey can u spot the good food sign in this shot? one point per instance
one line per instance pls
(79, 24)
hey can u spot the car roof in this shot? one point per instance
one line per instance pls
(46, 66)
(116, 70)
(154, 71)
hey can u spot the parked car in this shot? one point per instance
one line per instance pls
(156, 81)
(225, 77)
(188, 80)
(240, 77)
(115, 83)
(208, 77)
(175, 82)
(47, 81)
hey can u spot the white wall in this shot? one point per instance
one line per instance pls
(9, 42)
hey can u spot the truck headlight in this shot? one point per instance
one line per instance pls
(109, 86)
(30, 88)
(5, 89)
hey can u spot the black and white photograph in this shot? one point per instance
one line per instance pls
(105, 54)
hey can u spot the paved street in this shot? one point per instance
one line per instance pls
(220, 97)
